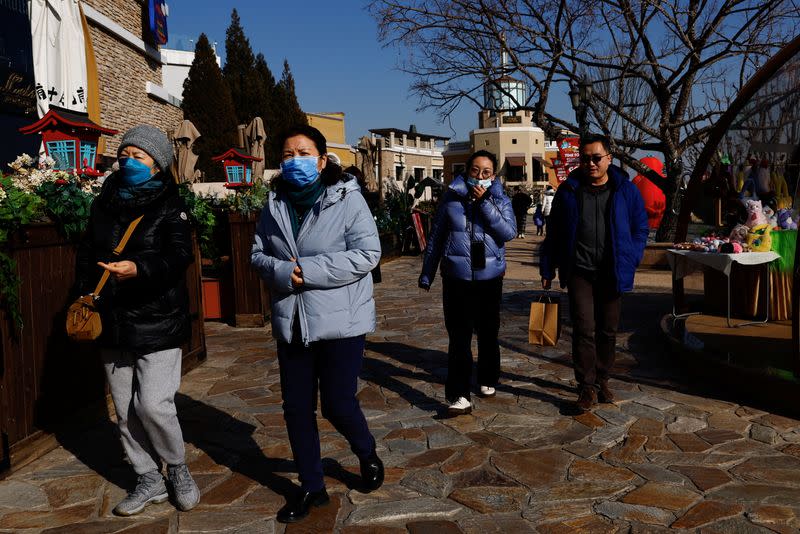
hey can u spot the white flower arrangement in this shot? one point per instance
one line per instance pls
(29, 176)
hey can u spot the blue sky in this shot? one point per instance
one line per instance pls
(335, 57)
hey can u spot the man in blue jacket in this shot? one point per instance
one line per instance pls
(596, 241)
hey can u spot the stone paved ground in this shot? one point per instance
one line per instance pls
(670, 454)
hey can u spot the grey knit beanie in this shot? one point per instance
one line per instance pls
(151, 140)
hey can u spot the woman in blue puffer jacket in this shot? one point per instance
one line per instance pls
(315, 245)
(472, 224)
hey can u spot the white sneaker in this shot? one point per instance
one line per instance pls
(460, 407)
(487, 391)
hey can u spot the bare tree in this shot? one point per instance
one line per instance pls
(663, 70)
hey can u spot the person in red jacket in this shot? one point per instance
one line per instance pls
(655, 203)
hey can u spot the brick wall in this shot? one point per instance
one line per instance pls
(123, 72)
(126, 13)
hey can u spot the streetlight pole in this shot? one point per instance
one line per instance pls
(580, 97)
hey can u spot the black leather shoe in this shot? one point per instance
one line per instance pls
(299, 508)
(372, 473)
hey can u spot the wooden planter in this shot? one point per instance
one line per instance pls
(251, 296)
(46, 381)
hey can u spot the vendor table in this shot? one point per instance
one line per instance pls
(684, 262)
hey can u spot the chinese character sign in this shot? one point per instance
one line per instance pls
(59, 55)
(157, 10)
(569, 153)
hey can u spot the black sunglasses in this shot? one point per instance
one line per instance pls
(594, 158)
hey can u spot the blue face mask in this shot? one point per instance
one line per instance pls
(134, 172)
(483, 183)
(300, 170)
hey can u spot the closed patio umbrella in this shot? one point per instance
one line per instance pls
(184, 137)
(255, 135)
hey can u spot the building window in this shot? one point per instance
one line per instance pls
(513, 141)
(459, 169)
(515, 174)
(537, 141)
(398, 172)
(419, 173)
(437, 174)
(235, 174)
(486, 142)
(88, 152)
(63, 153)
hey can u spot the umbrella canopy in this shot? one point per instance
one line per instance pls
(184, 137)
(255, 135)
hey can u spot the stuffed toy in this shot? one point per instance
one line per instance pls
(739, 234)
(772, 218)
(755, 213)
(785, 220)
(759, 238)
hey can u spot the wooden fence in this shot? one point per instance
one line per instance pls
(46, 380)
(251, 296)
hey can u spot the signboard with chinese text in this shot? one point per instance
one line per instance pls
(157, 11)
(569, 154)
(512, 119)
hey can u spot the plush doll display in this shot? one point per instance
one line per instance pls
(739, 234)
(785, 220)
(755, 213)
(772, 218)
(759, 238)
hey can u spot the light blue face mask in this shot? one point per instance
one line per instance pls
(483, 183)
(134, 172)
(300, 170)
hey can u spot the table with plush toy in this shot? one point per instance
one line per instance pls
(758, 253)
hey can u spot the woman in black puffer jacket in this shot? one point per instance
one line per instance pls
(145, 311)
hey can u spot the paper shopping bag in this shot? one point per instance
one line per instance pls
(543, 324)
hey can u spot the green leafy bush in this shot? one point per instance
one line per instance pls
(36, 192)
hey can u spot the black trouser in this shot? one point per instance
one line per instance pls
(333, 366)
(471, 305)
(521, 220)
(594, 307)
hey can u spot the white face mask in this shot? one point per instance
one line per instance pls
(485, 183)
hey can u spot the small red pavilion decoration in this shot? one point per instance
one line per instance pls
(238, 168)
(70, 138)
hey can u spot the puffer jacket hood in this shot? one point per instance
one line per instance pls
(150, 312)
(627, 223)
(460, 220)
(336, 248)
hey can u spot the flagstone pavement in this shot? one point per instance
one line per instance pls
(670, 454)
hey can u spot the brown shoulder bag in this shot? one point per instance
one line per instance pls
(83, 319)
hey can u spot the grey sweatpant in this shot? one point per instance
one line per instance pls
(143, 389)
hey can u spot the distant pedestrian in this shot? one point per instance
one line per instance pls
(145, 311)
(315, 245)
(471, 226)
(538, 219)
(596, 241)
(655, 202)
(520, 203)
(547, 203)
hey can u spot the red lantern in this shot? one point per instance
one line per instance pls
(70, 138)
(238, 168)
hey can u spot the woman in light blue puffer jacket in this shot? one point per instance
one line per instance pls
(315, 245)
(472, 224)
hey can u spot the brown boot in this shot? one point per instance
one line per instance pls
(587, 398)
(605, 395)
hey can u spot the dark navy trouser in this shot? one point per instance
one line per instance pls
(332, 367)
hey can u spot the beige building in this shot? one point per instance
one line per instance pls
(404, 153)
(332, 127)
(129, 69)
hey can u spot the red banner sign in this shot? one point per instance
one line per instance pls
(568, 157)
